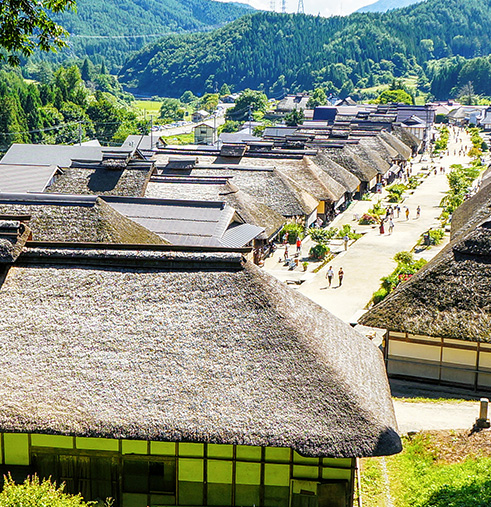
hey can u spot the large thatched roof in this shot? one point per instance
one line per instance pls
(76, 218)
(128, 182)
(340, 174)
(370, 155)
(406, 137)
(449, 297)
(211, 350)
(351, 161)
(472, 211)
(402, 149)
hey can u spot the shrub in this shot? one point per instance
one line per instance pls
(404, 257)
(377, 209)
(413, 182)
(346, 231)
(35, 493)
(367, 219)
(436, 236)
(379, 295)
(366, 196)
(319, 251)
(322, 235)
(294, 231)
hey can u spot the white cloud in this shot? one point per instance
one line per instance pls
(311, 6)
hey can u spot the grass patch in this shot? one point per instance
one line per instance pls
(152, 107)
(179, 139)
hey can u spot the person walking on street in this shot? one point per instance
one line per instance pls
(407, 213)
(340, 276)
(418, 212)
(382, 230)
(391, 226)
(299, 244)
(346, 241)
(330, 275)
(398, 211)
(285, 255)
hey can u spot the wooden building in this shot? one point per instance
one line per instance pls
(160, 377)
(439, 322)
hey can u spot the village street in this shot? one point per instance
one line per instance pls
(369, 259)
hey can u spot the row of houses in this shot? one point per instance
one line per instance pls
(147, 360)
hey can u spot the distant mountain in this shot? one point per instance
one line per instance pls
(294, 52)
(387, 5)
(113, 28)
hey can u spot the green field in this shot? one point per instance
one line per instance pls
(148, 107)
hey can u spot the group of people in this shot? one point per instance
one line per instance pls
(389, 217)
(330, 276)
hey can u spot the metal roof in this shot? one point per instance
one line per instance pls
(196, 223)
(20, 178)
(54, 154)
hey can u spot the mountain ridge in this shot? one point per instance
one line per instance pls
(387, 5)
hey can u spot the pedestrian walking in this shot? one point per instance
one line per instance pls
(407, 213)
(391, 226)
(346, 241)
(381, 228)
(340, 276)
(299, 244)
(418, 212)
(398, 211)
(330, 275)
(285, 238)
(285, 255)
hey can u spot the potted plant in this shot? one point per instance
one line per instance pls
(305, 265)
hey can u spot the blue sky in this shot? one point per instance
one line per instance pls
(325, 8)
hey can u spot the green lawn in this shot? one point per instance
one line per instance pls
(151, 107)
(435, 469)
(180, 139)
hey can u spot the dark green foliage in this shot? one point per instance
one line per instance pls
(294, 231)
(140, 21)
(294, 118)
(322, 235)
(250, 101)
(273, 51)
(61, 110)
(319, 251)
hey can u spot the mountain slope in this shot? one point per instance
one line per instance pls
(114, 27)
(387, 5)
(277, 51)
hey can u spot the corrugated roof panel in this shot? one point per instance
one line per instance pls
(20, 178)
(240, 235)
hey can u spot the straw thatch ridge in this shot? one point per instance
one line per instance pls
(383, 149)
(347, 158)
(129, 182)
(471, 212)
(228, 357)
(406, 137)
(450, 297)
(340, 174)
(10, 249)
(370, 156)
(98, 223)
(401, 148)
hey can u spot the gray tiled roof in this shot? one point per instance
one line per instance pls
(25, 178)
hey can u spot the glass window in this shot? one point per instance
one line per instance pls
(143, 476)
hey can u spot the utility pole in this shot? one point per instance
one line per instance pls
(250, 118)
(272, 5)
(301, 8)
(283, 6)
(151, 132)
(80, 133)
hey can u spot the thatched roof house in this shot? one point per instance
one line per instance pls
(196, 373)
(75, 218)
(439, 321)
(345, 178)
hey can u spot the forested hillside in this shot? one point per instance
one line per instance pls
(279, 52)
(114, 28)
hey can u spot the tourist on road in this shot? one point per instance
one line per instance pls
(330, 275)
(285, 255)
(391, 226)
(381, 228)
(299, 244)
(340, 276)
(346, 241)
(398, 211)
(407, 213)
(418, 212)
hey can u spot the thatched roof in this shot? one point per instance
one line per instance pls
(90, 221)
(340, 174)
(129, 182)
(11, 247)
(383, 149)
(449, 297)
(198, 353)
(267, 185)
(370, 155)
(350, 160)
(406, 137)
(472, 211)
(401, 148)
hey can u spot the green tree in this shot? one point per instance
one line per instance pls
(294, 118)
(396, 96)
(248, 101)
(26, 25)
(224, 90)
(317, 98)
(187, 97)
(170, 110)
(209, 102)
